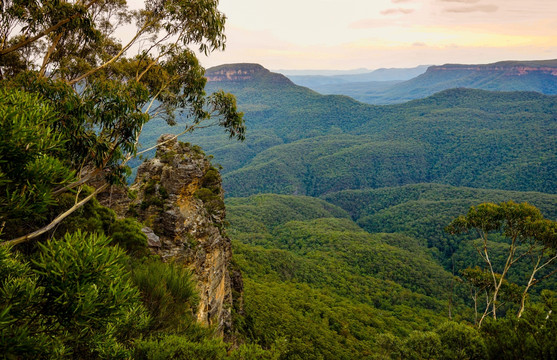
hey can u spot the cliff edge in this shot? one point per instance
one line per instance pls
(179, 197)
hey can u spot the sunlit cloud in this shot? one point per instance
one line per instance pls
(471, 9)
(461, 1)
(318, 34)
(397, 11)
(374, 23)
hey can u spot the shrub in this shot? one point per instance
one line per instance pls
(169, 294)
(76, 300)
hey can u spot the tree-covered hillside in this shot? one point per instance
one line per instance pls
(326, 286)
(423, 210)
(303, 143)
(343, 292)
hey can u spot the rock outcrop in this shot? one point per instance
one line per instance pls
(244, 74)
(178, 196)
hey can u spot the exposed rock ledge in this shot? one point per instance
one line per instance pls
(181, 201)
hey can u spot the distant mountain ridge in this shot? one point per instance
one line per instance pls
(539, 76)
(379, 75)
(516, 67)
(301, 142)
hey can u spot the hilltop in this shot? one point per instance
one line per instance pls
(383, 75)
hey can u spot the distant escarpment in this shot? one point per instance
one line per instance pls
(508, 68)
(178, 196)
(538, 76)
(244, 73)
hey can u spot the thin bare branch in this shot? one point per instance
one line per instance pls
(54, 222)
(188, 129)
(114, 58)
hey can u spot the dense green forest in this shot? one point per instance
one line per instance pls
(341, 290)
(423, 210)
(300, 142)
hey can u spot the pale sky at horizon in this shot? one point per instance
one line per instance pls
(350, 34)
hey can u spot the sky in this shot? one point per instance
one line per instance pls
(372, 34)
(351, 34)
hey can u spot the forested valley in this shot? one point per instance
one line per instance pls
(277, 222)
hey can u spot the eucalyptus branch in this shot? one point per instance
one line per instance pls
(47, 31)
(90, 175)
(546, 276)
(49, 53)
(548, 262)
(79, 182)
(54, 222)
(530, 249)
(488, 301)
(138, 78)
(188, 129)
(115, 57)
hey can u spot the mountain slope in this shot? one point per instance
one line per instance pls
(323, 283)
(539, 76)
(301, 142)
(423, 210)
(380, 76)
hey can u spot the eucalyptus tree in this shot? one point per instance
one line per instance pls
(528, 235)
(101, 89)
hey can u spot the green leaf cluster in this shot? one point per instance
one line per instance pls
(31, 164)
(75, 299)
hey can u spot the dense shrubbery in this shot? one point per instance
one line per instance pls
(74, 300)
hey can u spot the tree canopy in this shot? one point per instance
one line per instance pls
(96, 92)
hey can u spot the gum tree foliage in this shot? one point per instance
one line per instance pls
(100, 90)
(530, 237)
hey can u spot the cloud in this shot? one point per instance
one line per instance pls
(401, 1)
(461, 1)
(397, 11)
(419, 44)
(471, 9)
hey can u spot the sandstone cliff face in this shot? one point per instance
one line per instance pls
(231, 75)
(180, 199)
(505, 70)
(244, 74)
